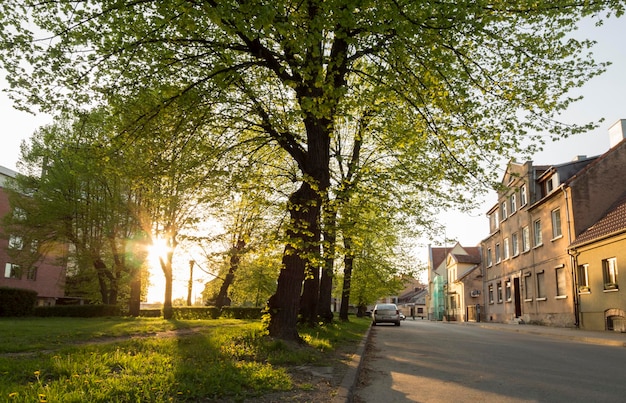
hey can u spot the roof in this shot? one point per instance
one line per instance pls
(438, 256)
(614, 221)
(471, 255)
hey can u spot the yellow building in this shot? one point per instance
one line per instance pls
(598, 253)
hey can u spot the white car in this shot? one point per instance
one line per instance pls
(386, 313)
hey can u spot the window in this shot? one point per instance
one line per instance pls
(528, 287)
(583, 278)
(503, 209)
(537, 233)
(609, 271)
(507, 290)
(19, 214)
(498, 258)
(505, 251)
(488, 258)
(541, 287)
(549, 186)
(556, 223)
(525, 239)
(12, 271)
(31, 274)
(491, 293)
(513, 203)
(15, 242)
(523, 197)
(493, 221)
(561, 282)
(514, 244)
(499, 291)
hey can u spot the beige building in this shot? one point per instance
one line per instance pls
(598, 253)
(463, 285)
(528, 273)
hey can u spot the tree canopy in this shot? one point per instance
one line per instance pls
(450, 85)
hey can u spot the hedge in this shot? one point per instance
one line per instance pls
(16, 302)
(78, 311)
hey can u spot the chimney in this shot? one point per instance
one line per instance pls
(617, 132)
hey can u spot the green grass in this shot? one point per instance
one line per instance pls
(50, 359)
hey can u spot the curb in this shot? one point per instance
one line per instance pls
(348, 383)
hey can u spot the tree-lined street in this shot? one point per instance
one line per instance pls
(423, 361)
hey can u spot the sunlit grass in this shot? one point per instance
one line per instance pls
(223, 358)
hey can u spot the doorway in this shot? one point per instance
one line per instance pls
(518, 297)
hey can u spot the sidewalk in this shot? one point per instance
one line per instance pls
(606, 338)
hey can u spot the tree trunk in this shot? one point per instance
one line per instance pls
(347, 280)
(284, 305)
(134, 305)
(326, 283)
(101, 271)
(235, 259)
(310, 296)
(166, 266)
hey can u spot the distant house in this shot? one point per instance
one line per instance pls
(412, 300)
(464, 284)
(598, 252)
(46, 276)
(437, 279)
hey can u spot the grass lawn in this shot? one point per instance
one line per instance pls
(97, 360)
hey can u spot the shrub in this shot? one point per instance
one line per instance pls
(195, 312)
(78, 311)
(237, 312)
(16, 302)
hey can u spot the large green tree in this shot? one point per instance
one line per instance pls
(73, 191)
(479, 78)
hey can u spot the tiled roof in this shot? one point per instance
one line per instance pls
(612, 222)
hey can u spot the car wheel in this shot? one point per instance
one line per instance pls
(373, 323)
(397, 323)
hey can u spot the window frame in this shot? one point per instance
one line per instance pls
(561, 282)
(514, 244)
(557, 231)
(523, 195)
(505, 249)
(12, 270)
(537, 233)
(525, 238)
(609, 274)
(513, 203)
(582, 272)
(541, 286)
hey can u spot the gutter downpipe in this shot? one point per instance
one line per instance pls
(573, 262)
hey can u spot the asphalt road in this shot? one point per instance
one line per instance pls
(423, 361)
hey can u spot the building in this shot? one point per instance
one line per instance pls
(463, 285)
(46, 276)
(412, 300)
(598, 252)
(437, 279)
(528, 273)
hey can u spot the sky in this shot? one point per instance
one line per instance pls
(604, 98)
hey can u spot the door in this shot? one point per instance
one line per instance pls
(518, 297)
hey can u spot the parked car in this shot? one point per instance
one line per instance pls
(386, 313)
(402, 316)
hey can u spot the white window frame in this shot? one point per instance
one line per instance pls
(523, 195)
(525, 239)
(537, 235)
(557, 231)
(513, 202)
(515, 244)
